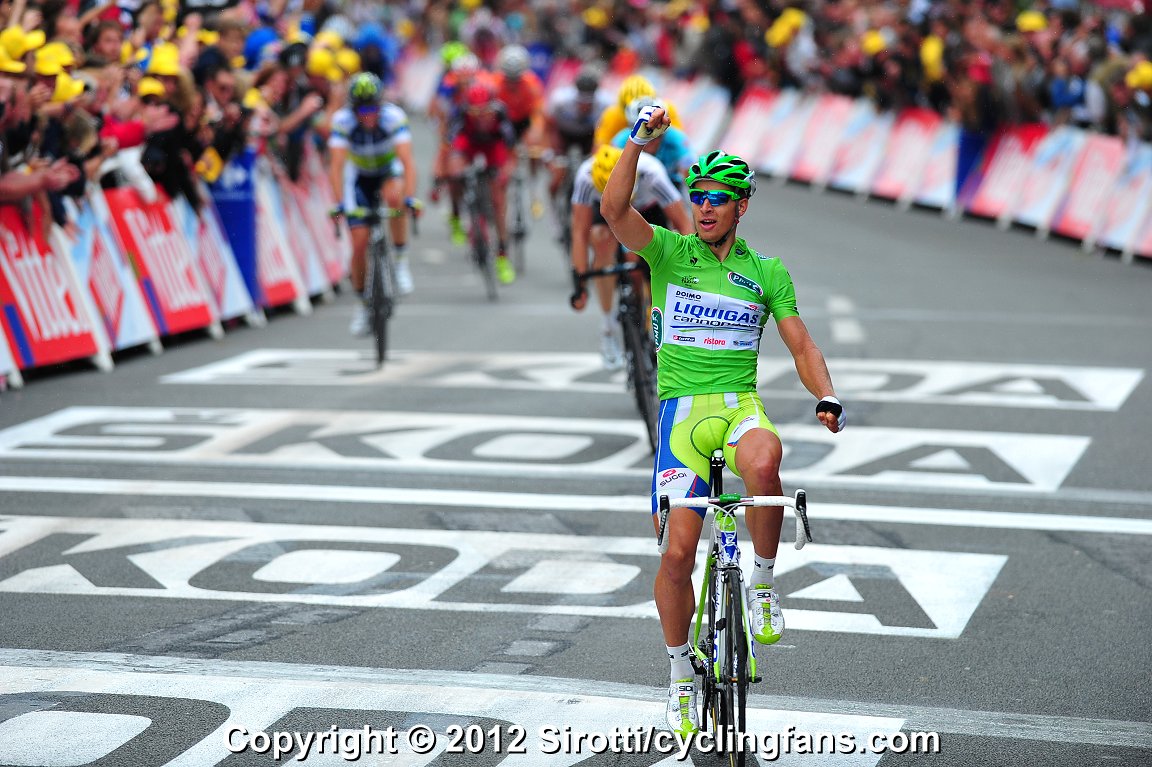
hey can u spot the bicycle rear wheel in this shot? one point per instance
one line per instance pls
(638, 347)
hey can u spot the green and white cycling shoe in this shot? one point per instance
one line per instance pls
(764, 614)
(682, 716)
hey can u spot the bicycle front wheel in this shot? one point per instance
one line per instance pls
(641, 357)
(735, 674)
(381, 296)
(518, 231)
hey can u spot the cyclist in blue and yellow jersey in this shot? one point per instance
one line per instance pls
(712, 295)
(370, 156)
(613, 119)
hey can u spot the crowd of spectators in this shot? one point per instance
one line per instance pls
(189, 83)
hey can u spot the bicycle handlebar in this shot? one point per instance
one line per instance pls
(578, 280)
(731, 503)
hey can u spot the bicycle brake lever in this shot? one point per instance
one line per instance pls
(661, 539)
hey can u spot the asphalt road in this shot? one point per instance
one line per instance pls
(263, 532)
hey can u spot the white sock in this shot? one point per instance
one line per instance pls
(681, 665)
(609, 323)
(762, 571)
(400, 251)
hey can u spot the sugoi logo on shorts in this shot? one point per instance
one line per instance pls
(741, 281)
(657, 326)
(671, 475)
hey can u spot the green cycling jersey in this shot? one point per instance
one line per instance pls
(708, 316)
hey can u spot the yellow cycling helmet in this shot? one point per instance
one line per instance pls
(634, 87)
(606, 158)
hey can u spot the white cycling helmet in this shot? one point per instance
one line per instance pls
(467, 64)
(632, 111)
(513, 61)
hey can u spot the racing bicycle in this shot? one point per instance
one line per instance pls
(562, 203)
(477, 200)
(639, 346)
(518, 219)
(724, 648)
(382, 291)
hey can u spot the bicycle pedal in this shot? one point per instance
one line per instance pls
(755, 679)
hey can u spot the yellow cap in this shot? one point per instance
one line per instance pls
(470, 5)
(8, 66)
(329, 39)
(873, 42)
(932, 58)
(165, 60)
(67, 88)
(127, 53)
(59, 51)
(785, 27)
(16, 42)
(150, 86)
(348, 60)
(1139, 78)
(1031, 21)
(321, 63)
(596, 17)
(634, 87)
(47, 65)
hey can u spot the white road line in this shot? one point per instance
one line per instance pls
(846, 329)
(982, 724)
(972, 518)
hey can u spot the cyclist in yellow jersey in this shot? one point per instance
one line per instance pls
(614, 119)
(712, 295)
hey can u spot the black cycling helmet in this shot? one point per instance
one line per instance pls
(588, 79)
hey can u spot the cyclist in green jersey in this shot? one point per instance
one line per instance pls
(712, 295)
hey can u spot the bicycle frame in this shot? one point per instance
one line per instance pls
(478, 202)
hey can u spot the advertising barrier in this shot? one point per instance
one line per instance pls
(164, 264)
(907, 151)
(861, 148)
(314, 198)
(704, 109)
(936, 187)
(277, 191)
(1048, 178)
(43, 310)
(1127, 207)
(816, 158)
(991, 191)
(1093, 177)
(204, 234)
(9, 373)
(234, 194)
(417, 78)
(276, 268)
(752, 113)
(784, 133)
(109, 277)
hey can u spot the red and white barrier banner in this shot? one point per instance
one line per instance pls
(1128, 205)
(165, 266)
(1048, 178)
(704, 110)
(861, 148)
(563, 72)
(417, 78)
(9, 372)
(908, 149)
(784, 133)
(816, 158)
(314, 197)
(108, 275)
(1143, 246)
(205, 236)
(276, 267)
(295, 230)
(43, 311)
(991, 191)
(1093, 177)
(745, 130)
(937, 185)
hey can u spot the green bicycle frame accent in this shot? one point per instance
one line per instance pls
(709, 566)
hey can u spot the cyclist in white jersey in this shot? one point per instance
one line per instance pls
(655, 196)
(712, 295)
(370, 155)
(571, 115)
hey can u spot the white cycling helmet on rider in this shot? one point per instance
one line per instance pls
(513, 61)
